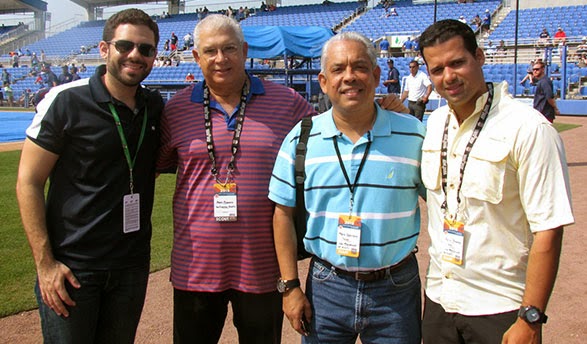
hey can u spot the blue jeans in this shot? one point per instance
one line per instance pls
(385, 311)
(108, 308)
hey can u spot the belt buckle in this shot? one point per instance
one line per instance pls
(365, 276)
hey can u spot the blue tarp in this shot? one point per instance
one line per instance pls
(275, 41)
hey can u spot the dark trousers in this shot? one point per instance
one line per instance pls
(417, 109)
(440, 327)
(198, 317)
(108, 308)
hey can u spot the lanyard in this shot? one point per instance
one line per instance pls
(468, 148)
(235, 139)
(352, 187)
(129, 161)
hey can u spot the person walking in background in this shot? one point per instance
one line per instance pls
(221, 137)
(384, 48)
(417, 89)
(365, 162)
(393, 79)
(544, 100)
(90, 237)
(498, 196)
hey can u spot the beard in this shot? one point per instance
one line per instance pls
(127, 76)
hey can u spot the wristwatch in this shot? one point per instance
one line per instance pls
(532, 315)
(285, 285)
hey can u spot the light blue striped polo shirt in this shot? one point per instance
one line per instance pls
(386, 197)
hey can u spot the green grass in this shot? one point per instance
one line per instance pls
(17, 269)
(560, 127)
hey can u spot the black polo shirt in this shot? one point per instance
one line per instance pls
(91, 176)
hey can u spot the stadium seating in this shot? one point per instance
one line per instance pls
(413, 19)
(533, 20)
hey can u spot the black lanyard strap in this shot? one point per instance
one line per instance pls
(129, 161)
(468, 148)
(240, 118)
(352, 187)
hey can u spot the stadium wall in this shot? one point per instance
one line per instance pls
(540, 3)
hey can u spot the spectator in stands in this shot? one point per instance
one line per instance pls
(417, 89)
(25, 99)
(362, 282)
(486, 24)
(544, 100)
(490, 50)
(83, 50)
(393, 79)
(83, 68)
(65, 76)
(34, 61)
(463, 20)
(15, 60)
(501, 50)
(190, 78)
(6, 77)
(419, 59)
(408, 47)
(49, 78)
(166, 45)
(173, 41)
(74, 75)
(384, 47)
(188, 41)
(8, 94)
(43, 57)
(90, 237)
(263, 7)
(476, 21)
(495, 219)
(543, 38)
(560, 37)
(528, 79)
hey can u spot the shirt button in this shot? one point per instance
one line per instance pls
(453, 155)
(452, 186)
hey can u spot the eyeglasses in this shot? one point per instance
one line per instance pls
(212, 52)
(125, 47)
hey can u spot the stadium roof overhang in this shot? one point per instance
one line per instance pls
(22, 6)
(111, 3)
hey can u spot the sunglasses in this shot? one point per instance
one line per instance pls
(125, 47)
(535, 69)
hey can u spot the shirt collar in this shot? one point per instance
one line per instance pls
(381, 127)
(499, 89)
(256, 88)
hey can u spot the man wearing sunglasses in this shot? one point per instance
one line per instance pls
(544, 100)
(96, 138)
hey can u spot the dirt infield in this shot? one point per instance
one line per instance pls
(565, 324)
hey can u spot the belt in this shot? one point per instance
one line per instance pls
(367, 276)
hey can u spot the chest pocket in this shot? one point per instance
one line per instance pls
(485, 172)
(431, 173)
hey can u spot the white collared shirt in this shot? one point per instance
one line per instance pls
(515, 183)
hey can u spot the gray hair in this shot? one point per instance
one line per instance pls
(218, 22)
(349, 36)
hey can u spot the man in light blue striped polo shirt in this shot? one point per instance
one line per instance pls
(363, 219)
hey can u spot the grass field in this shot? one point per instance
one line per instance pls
(17, 271)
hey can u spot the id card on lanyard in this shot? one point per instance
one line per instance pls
(131, 203)
(454, 230)
(348, 234)
(225, 193)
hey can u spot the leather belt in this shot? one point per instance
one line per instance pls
(367, 276)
